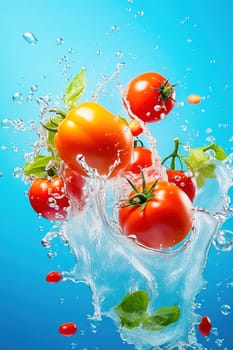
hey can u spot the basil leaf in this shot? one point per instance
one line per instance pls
(132, 309)
(51, 127)
(219, 152)
(162, 318)
(75, 89)
(38, 166)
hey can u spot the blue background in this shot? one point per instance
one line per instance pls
(190, 43)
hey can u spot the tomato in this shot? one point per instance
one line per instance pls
(90, 136)
(183, 181)
(47, 198)
(157, 215)
(54, 277)
(149, 96)
(68, 328)
(142, 158)
(74, 184)
(205, 326)
(135, 128)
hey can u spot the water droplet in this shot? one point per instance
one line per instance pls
(17, 172)
(6, 123)
(114, 28)
(19, 124)
(140, 13)
(1, 173)
(156, 46)
(70, 50)
(223, 241)
(208, 130)
(119, 54)
(17, 97)
(34, 87)
(99, 52)
(73, 345)
(157, 108)
(30, 38)
(225, 309)
(61, 300)
(212, 61)
(59, 41)
(189, 40)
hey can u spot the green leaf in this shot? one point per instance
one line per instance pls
(219, 151)
(162, 318)
(132, 309)
(38, 166)
(75, 89)
(51, 127)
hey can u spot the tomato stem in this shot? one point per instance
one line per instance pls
(174, 155)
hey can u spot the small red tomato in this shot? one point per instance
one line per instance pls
(68, 328)
(149, 96)
(74, 184)
(185, 182)
(142, 158)
(47, 198)
(53, 277)
(135, 128)
(205, 326)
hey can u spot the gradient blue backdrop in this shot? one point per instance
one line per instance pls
(190, 43)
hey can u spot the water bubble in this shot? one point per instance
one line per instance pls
(59, 41)
(189, 40)
(17, 172)
(61, 300)
(19, 124)
(208, 130)
(114, 28)
(157, 108)
(17, 97)
(73, 345)
(30, 97)
(156, 46)
(212, 61)
(119, 54)
(70, 50)
(1, 173)
(140, 13)
(225, 309)
(99, 52)
(30, 38)
(34, 87)
(223, 241)
(6, 123)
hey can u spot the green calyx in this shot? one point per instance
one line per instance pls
(140, 198)
(174, 156)
(166, 91)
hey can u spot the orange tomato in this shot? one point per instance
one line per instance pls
(103, 140)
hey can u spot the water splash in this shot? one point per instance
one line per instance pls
(30, 38)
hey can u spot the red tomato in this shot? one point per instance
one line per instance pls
(135, 128)
(157, 217)
(102, 140)
(47, 198)
(74, 184)
(68, 328)
(142, 158)
(205, 326)
(149, 96)
(185, 182)
(53, 277)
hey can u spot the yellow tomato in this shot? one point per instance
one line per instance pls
(101, 139)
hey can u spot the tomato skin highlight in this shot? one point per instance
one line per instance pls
(68, 329)
(143, 99)
(103, 139)
(165, 220)
(47, 198)
(53, 277)
(205, 326)
(142, 158)
(183, 181)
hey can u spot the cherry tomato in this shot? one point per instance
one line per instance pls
(74, 184)
(53, 277)
(157, 215)
(68, 328)
(142, 158)
(47, 198)
(149, 96)
(103, 140)
(135, 128)
(205, 326)
(183, 181)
